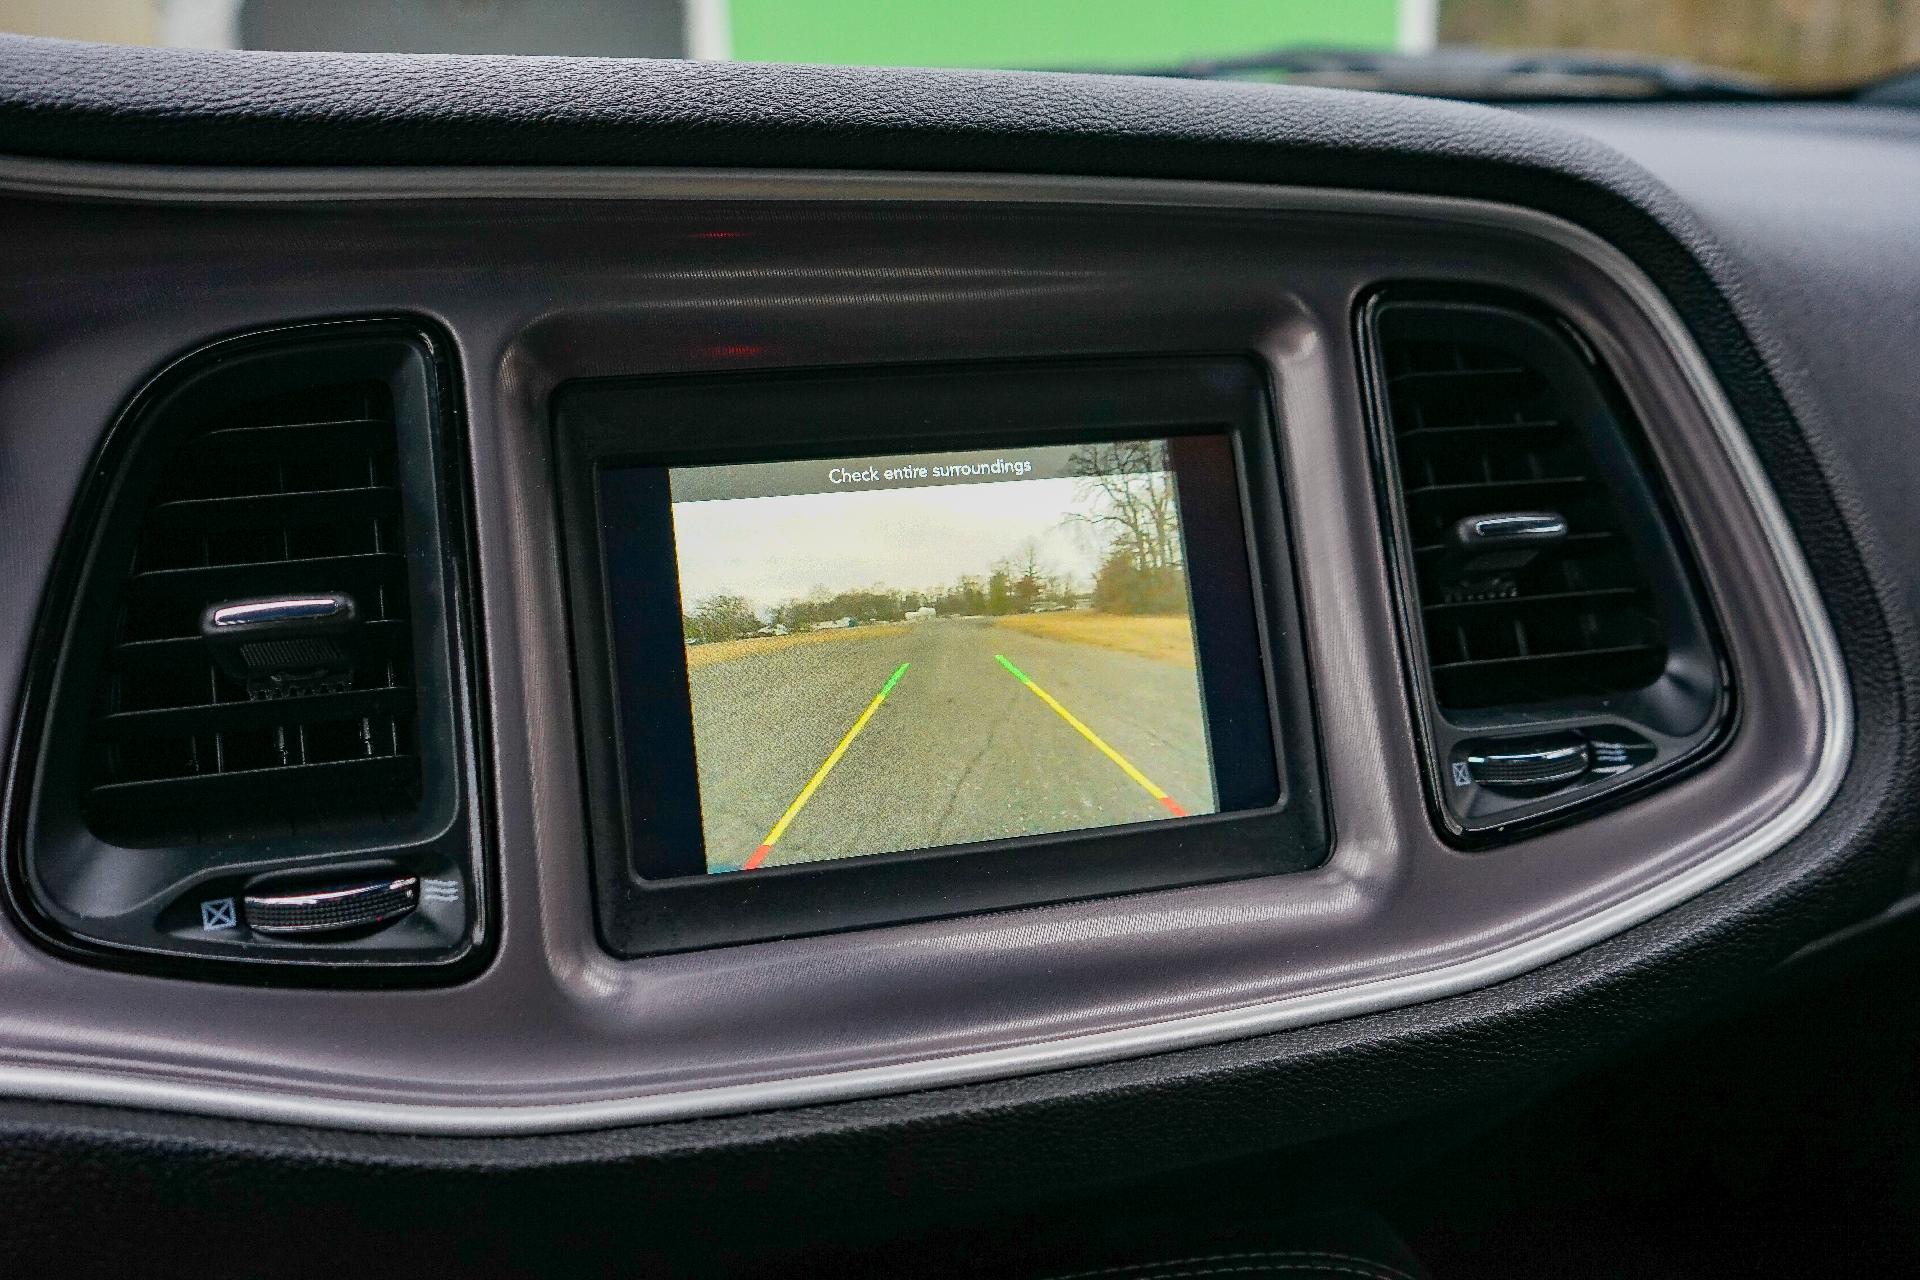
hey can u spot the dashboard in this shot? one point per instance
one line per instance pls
(765, 717)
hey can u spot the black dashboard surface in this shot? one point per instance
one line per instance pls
(1813, 207)
(1766, 253)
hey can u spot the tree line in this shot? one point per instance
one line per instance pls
(1129, 503)
(1009, 587)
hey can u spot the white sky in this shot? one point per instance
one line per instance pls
(772, 550)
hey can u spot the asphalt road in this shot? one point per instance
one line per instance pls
(959, 750)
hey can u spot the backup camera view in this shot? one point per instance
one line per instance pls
(903, 652)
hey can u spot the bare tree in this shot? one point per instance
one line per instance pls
(1130, 492)
(1030, 576)
(1130, 482)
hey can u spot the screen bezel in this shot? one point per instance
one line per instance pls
(699, 421)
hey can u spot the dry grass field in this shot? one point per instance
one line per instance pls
(1162, 639)
(705, 655)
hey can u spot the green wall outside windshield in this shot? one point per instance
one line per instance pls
(1046, 33)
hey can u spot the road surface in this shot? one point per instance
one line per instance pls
(959, 749)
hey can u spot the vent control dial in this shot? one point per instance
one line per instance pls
(1525, 763)
(336, 909)
(1537, 763)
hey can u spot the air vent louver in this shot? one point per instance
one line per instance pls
(253, 683)
(277, 497)
(1557, 646)
(1479, 428)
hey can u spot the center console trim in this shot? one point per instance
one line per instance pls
(132, 1086)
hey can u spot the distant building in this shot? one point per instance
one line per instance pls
(838, 624)
(921, 614)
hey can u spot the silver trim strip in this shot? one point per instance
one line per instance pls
(62, 180)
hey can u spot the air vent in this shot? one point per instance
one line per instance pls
(1480, 430)
(252, 678)
(280, 497)
(1557, 645)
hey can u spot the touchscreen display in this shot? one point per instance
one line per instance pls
(910, 651)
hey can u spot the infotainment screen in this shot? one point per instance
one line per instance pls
(855, 647)
(913, 650)
(830, 658)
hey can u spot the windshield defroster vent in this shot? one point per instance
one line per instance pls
(1547, 606)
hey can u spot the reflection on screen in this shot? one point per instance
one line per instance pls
(920, 650)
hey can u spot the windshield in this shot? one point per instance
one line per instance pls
(1462, 48)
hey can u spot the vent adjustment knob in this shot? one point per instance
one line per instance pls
(331, 910)
(1526, 763)
(1485, 551)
